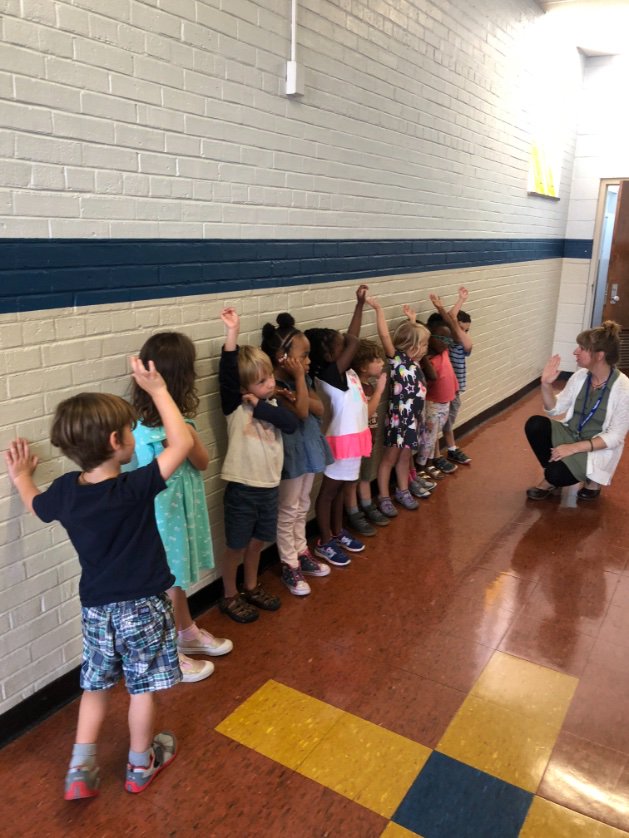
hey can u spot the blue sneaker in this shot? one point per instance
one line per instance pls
(332, 553)
(353, 545)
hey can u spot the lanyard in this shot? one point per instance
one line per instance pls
(586, 419)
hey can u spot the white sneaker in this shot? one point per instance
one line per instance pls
(205, 644)
(193, 671)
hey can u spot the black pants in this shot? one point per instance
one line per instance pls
(539, 434)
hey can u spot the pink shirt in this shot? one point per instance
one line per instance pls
(445, 388)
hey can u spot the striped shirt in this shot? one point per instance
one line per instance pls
(457, 359)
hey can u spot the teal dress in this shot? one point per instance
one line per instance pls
(180, 510)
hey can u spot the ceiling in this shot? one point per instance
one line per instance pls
(598, 27)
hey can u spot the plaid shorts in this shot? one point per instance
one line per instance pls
(136, 638)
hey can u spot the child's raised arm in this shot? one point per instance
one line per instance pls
(344, 361)
(230, 318)
(21, 465)
(449, 317)
(383, 329)
(180, 441)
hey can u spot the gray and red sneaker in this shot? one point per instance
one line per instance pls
(164, 752)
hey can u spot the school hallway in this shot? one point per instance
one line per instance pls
(467, 675)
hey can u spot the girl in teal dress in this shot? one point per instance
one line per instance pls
(180, 510)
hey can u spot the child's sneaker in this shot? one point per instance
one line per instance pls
(332, 553)
(294, 581)
(425, 481)
(164, 752)
(311, 567)
(385, 505)
(358, 522)
(433, 472)
(193, 671)
(443, 465)
(261, 599)
(375, 516)
(82, 782)
(416, 489)
(205, 644)
(352, 545)
(405, 499)
(460, 457)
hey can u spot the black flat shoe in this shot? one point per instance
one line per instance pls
(588, 494)
(535, 493)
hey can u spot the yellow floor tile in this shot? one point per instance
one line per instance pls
(366, 763)
(393, 830)
(506, 745)
(549, 820)
(280, 723)
(527, 688)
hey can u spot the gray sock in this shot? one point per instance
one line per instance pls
(365, 504)
(140, 758)
(352, 510)
(83, 755)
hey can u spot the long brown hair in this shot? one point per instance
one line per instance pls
(174, 357)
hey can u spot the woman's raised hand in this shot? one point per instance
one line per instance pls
(551, 370)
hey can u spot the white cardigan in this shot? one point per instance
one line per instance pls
(601, 464)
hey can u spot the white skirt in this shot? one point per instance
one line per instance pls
(347, 470)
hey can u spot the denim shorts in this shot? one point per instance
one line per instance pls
(455, 405)
(135, 638)
(250, 512)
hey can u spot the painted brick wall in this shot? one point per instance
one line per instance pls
(155, 118)
(165, 119)
(601, 153)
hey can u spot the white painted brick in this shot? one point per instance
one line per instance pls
(110, 157)
(75, 74)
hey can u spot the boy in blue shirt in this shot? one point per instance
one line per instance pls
(127, 619)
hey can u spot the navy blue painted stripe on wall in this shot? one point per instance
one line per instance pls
(56, 273)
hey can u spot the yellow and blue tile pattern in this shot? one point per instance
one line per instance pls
(479, 781)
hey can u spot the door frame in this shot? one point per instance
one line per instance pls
(590, 298)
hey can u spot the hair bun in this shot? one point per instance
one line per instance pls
(612, 328)
(285, 320)
(268, 330)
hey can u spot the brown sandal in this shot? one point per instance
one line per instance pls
(239, 610)
(260, 598)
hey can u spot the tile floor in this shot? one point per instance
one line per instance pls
(468, 675)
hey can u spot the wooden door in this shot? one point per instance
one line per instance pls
(617, 293)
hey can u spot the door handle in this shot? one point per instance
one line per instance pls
(613, 295)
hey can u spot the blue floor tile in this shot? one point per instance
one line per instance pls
(451, 800)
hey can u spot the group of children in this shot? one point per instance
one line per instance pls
(136, 511)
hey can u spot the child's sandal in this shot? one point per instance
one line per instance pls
(260, 598)
(239, 610)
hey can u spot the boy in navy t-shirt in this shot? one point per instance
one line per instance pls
(127, 620)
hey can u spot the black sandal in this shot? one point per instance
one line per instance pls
(260, 598)
(588, 494)
(239, 610)
(536, 493)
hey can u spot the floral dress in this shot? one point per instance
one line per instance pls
(180, 510)
(407, 392)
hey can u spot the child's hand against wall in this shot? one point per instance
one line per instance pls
(230, 318)
(148, 379)
(373, 303)
(410, 313)
(361, 293)
(463, 294)
(437, 302)
(19, 459)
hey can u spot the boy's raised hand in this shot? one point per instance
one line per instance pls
(19, 459)
(437, 302)
(230, 318)
(148, 379)
(361, 293)
(463, 294)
